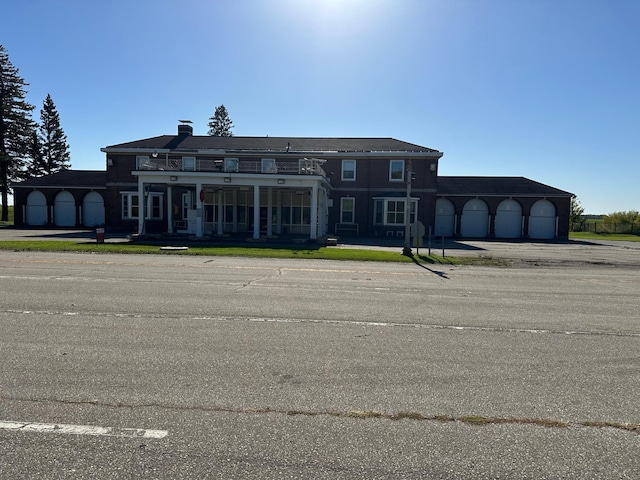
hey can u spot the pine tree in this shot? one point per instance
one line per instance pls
(49, 149)
(16, 128)
(220, 124)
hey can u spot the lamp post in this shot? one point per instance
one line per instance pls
(406, 250)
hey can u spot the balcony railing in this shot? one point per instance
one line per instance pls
(306, 166)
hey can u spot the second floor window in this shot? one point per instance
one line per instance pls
(348, 170)
(189, 164)
(396, 170)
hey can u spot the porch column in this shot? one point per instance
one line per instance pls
(314, 212)
(279, 212)
(140, 206)
(199, 208)
(269, 210)
(256, 212)
(220, 229)
(235, 211)
(169, 209)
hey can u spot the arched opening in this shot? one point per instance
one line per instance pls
(92, 210)
(509, 219)
(36, 211)
(475, 219)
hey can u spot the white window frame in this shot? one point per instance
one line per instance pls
(385, 210)
(345, 170)
(188, 164)
(393, 170)
(268, 165)
(344, 210)
(126, 203)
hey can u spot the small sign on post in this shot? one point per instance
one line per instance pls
(99, 235)
(417, 232)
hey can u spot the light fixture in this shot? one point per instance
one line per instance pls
(109, 162)
(227, 179)
(281, 181)
(155, 154)
(432, 167)
(173, 178)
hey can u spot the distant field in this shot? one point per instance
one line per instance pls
(604, 236)
(10, 222)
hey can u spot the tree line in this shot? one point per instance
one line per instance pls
(27, 148)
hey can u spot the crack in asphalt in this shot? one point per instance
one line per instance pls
(476, 420)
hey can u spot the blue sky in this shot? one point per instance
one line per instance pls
(546, 89)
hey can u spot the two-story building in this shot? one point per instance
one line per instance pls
(205, 186)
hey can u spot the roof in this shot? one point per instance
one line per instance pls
(274, 144)
(496, 186)
(67, 179)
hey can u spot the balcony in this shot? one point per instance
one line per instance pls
(305, 166)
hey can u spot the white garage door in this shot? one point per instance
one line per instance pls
(542, 220)
(509, 219)
(445, 218)
(64, 210)
(475, 219)
(36, 209)
(92, 210)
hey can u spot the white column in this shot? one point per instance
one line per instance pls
(169, 209)
(269, 210)
(314, 212)
(140, 206)
(199, 212)
(279, 212)
(256, 212)
(220, 229)
(235, 211)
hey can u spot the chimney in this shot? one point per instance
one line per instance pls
(185, 128)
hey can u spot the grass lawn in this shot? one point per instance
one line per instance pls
(302, 252)
(10, 221)
(604, 236)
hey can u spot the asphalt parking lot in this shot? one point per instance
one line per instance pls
(535, 253)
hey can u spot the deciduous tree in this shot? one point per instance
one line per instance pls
(16, 128)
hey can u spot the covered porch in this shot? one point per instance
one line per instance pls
(202, 204)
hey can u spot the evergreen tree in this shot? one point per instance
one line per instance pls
(220, 124)
(49, 148)
(16, 128)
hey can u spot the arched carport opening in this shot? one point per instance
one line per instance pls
(64, 210)
(92, 210)
(36, 209)
(445, 218)
(475, 219)
(542, 220)
(509, 219)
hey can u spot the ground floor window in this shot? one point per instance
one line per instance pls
(391, 211)
(131, 206)
(347, 209)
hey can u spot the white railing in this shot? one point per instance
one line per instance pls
(305, 166)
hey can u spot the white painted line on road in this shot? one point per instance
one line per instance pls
(82, 430)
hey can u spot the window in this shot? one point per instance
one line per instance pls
(231, 164)
(269, 165)
(395, 212)
(131, 205)
(348, 170)
(347, 210)
(390, 211)
(396, 170)
(189, 164)
(143, 163)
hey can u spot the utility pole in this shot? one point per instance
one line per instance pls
(406, 250)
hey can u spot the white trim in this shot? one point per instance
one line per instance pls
(342, 170)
